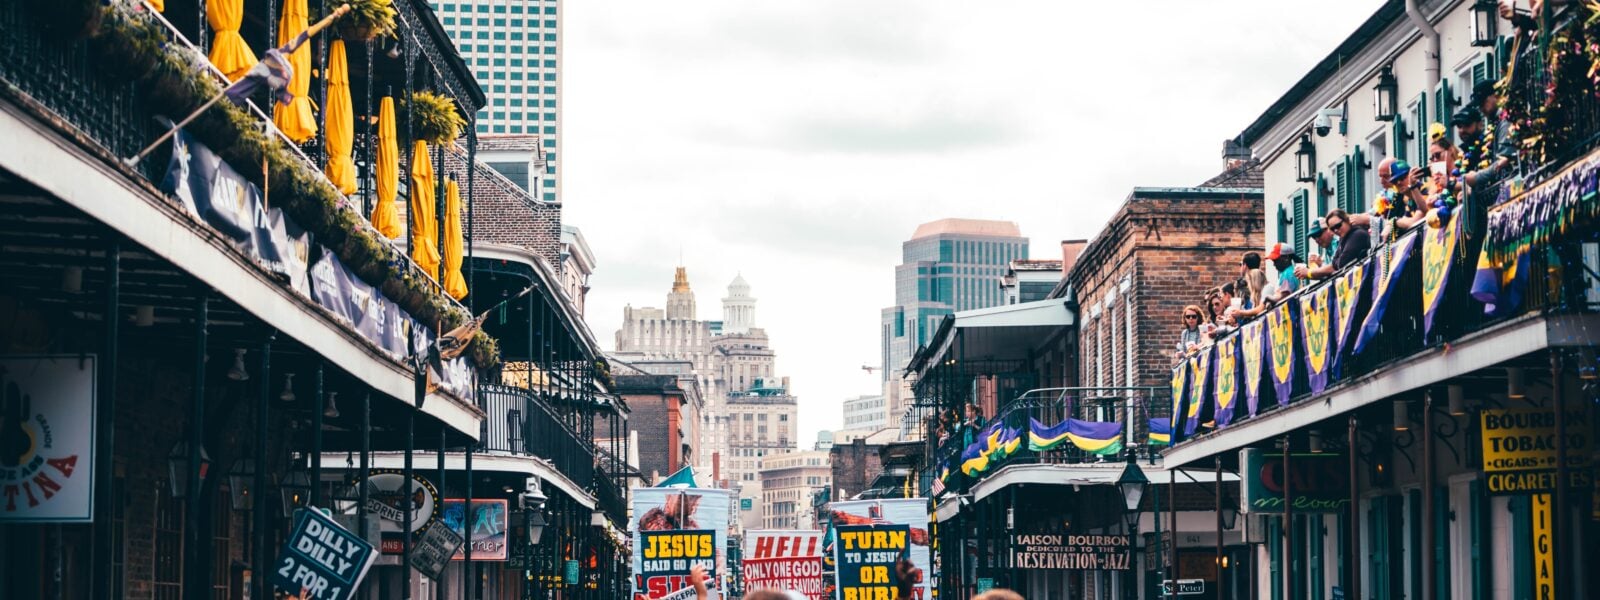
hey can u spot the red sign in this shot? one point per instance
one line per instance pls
(802, 575)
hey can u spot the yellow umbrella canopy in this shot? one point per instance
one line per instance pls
(454, 246)
(228, 51)
(424, 225)
(296, 119)
(384, 216)
(341, 122)
(159, 5)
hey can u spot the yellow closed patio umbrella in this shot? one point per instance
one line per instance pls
(454, 246)
(228, 51)
(384, 216)
(159, 5)
(296, 119)
(424, 225)
(341, 122)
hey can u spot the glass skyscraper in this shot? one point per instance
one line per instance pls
(514, 49)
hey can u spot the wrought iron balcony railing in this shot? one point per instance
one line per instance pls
(517, 422)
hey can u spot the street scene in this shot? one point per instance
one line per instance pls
(1278, 299)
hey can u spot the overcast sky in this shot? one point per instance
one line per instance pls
(801, 142)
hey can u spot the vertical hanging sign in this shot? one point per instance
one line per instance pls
(1544, 558)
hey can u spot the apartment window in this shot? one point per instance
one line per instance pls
(549, 143)
(549, 64)
(550, 103)
(499, 128)
(549, 197)
(550, 129)
(549, 76)
(549, 23)
(549, 37)
(516, 129)
(549, 49)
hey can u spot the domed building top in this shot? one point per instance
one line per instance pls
(738, 308)
(739, 288)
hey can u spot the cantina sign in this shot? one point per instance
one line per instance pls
(1069, 552)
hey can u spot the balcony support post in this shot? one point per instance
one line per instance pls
(366, 464)
(439, 588)
(316, 439)
(1288, 526)
(1559, 539)
(410, 140)
(420, 385)
(1222, 578)
(106, 419)
(1352, 556)
(469, 571)
(1172, 523)
(258, 555)
(1429, 535)
(196, 583)
(472, 163)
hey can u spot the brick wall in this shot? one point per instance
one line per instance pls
(656, 410)
(503, 213)
(1170, 246)
(854, 466)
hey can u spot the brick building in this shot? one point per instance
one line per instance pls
(854, 466)
(518, 219)
(665, 405)
(1160, 252)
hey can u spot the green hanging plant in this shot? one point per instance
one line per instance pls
(367, 20)
(434, 118)
(123, 51)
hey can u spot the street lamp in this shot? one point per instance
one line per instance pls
(533, 512)
(1484, 20)
(296, 490)
(241, 483)
(1305, 160)
(1132, 483)
(178, 468)
(1385, 102)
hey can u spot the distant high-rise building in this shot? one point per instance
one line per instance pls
(738, 307)
(866, 412)
(948, 265)
(788, 483)
(514, 47)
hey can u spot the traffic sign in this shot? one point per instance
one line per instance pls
(1183, 587)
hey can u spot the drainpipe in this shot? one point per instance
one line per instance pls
(1414, 12)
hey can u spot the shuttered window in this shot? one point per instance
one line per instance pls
(1480, 539)
(1275, 555)
(1413, 546)
(1378, 544)
(1419, 117)
(1358, 181)
(1302, 222)
(1444, 105)
(1398, 137)
(1322, 194)
(1283, 224)
(1441, 543)
(1341, 178)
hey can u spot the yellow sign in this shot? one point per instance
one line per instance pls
(1544, 559)
(1526, 439)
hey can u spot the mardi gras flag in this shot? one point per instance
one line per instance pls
(1438, 252)
(1227, 377)
(1280, 341)
(1316, 315)
(1180, 395)
(1089, 436)
(1199, 388)
(974, 460)
(1252, 355)
(1500, 286)
(1006, 442)
(1160, 431)
(1347, 289)
(1388, 272)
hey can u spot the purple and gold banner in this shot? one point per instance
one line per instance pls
(1280, 339)
(1180, 393)
(1227, 376)
(1251, 351)
(1347, 289)
(1383, 285)
(1199, 386)
(1438, 252)
(1316, 315)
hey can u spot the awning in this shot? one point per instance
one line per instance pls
(999, 333)
(426, 463)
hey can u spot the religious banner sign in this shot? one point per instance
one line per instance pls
(47, 438)
(1438, 252)
(1070, 552)
(1199, 388)
(1347, 289)
(1316, 314)
(667, 557)
(865, 558)
(1280, 341)
(1519, 449)
(1318, 483)
(784, 560)
(1251, 343)
(1180, 395)
(1227, 377)
(1390, 263)
(912, 513)
(673, 530)
(320, 559)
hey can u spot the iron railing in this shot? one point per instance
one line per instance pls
(1553, 99)
(518, 422)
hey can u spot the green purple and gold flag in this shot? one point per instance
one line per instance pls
(1089, 436)
(1227, 377)
(1161, 431)
(1199, 388)
(1180, 395)
(1438, 252)
(1251, 351)
(1315, 316)
(1347, 290)
(1391, 262)
(1280, 341)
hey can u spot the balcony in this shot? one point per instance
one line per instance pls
(519, 423)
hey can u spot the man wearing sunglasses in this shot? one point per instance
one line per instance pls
(1354, 243)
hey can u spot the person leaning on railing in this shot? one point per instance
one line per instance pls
(1354, 243)
(1189, 338)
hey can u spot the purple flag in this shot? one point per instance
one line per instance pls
(1316, 315)
(1199, 388)
(1438, 252)
(1180, 393)
(1389, 263)
(1280, 343)
(1227, 378)
(1347, 290)
(1252, 352)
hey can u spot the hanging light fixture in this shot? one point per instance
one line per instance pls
(144, 315)
(1385, 96)
(296, 490)
(178, 468)
(72, 279)
(1314, 441)
(1458, 400)
(237, 372)
(331, 411)
(1514, 384)
(1485, 18)
(1402, 415)
(241, 483)
(597, 519)
(287, 397)
(1305, 160)
(1588, 363)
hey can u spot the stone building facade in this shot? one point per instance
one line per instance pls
(788, 484)
(1161, 251)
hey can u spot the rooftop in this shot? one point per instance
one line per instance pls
(967, 227)
(507, 143)
(1039, 264)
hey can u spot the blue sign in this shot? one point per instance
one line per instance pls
(322, 560)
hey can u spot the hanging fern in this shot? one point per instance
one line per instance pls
(434, 118)
(367, 20)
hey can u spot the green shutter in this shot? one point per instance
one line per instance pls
(1322, 194)
(1358, 181)
(1420, 135)
(1521, 546)
(1302, 222)
(1502, 57)
(1397, 144)
(1480, 71)
(1480, 540)
(1275, 555)
(1341, 176)
(1379, 543)
(1314, 540)
(1444, 105)
(1342, 541)
(1413, 547)
(1441, 543)
(1283, 224)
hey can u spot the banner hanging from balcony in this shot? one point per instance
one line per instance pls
(1388, 267)
(1347, 290)
(909, 515)
(220, 197)
(1500, 285)
(1227, 377)
(336, 288)
(1199, 389)
(995, 443)
(1280, 341)
(1180, 395)
(1160, 432)
(1251, 343)
(1315, 316)
(1438, 253)
(674, 530)
(1089, 436)
(1548, 210)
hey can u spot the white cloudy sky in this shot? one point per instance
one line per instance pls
(801, 142)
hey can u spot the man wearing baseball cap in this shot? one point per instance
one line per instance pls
(1282, 256)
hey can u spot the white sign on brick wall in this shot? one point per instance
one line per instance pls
(47, 424)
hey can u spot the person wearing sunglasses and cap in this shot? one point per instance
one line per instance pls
(1354, 243)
